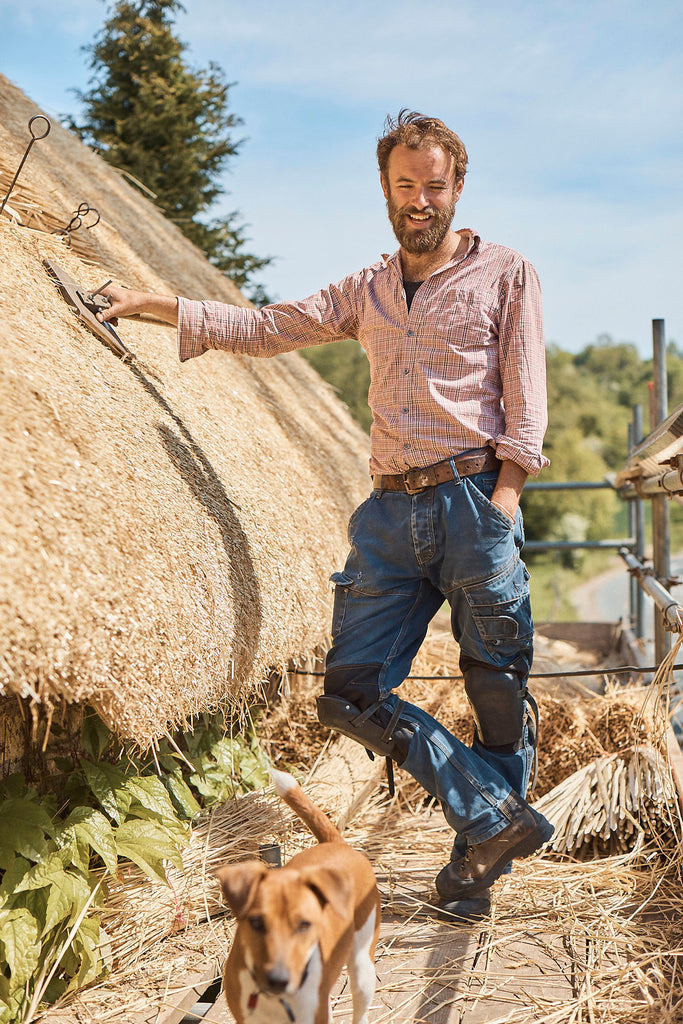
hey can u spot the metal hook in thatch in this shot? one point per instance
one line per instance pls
(34, 138)
(77, 221)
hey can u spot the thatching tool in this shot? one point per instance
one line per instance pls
(87, 304)
(34, 138)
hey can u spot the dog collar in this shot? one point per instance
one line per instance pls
(253, 1000)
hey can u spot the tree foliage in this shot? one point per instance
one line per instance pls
(150, 113)
(345, 366)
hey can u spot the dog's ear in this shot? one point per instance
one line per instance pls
(239, 883)
(330, 887)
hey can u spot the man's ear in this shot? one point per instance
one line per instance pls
(384, 183)
(239, 883)
(457, 189)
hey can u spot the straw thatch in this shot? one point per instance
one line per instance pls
(596, 942)
(168, 530)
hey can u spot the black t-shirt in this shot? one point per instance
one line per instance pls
(410, 287)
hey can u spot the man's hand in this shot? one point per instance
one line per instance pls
(126, 302)
(508, 490)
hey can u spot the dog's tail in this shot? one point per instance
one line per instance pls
(293, 795)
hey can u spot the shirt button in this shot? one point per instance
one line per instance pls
(410, 333)
(406, 371)
(406, 409)
(407, 444)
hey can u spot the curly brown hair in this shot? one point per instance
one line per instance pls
(419, 132)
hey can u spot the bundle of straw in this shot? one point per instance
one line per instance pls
(609, 802)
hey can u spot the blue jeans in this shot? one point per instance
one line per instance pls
(408, 553)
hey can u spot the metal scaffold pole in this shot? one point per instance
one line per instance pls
(637, 530)
(660, 502)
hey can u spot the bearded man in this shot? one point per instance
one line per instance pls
(452, 326)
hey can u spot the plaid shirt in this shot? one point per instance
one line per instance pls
(464, 368)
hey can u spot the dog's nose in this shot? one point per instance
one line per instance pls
(277, 978)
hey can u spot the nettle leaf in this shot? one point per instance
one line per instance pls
(36, 901)
(225, 752)
(13, 786)
(181, 795)
(23, 828)
(49, 871)
(59, 907)
(147, 844)
(86, 942)
(90, 827)
(150, 792)
(16, 870)
(105, 949)
(13, 1001)
(213, 783)
(108, 786)
(20, 940)
(95, 736)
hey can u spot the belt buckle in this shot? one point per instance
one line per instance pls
(420, 475)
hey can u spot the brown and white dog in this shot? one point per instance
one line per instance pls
(298, 925)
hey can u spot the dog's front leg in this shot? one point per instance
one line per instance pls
(323, 1014)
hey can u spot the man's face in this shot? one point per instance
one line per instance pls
(421, 195)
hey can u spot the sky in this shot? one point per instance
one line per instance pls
(571, 112)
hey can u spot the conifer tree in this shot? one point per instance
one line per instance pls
(148, 112)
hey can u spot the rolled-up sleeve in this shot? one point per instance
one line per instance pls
(522, 370)
(329, 315)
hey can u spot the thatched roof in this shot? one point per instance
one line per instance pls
(168, 531)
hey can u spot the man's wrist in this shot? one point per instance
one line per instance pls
(505, 510)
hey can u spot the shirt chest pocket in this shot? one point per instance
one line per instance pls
(469, 322)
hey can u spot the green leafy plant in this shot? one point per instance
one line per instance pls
(57, 853)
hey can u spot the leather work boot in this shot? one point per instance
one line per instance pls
(465, 911)
(480, 866)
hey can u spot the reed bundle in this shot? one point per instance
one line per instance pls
(605, 805)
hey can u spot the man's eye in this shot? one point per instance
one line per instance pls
(303, 926)
(257, 923)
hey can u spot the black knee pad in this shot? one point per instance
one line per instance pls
(351, 706)
(497, 699)
(359, 684)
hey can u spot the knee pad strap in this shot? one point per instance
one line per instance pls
(380, 730)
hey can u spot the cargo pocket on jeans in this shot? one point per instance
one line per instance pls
(501, 614)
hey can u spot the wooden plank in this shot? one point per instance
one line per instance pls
(181, 997)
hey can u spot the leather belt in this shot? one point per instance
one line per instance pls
(415, 480)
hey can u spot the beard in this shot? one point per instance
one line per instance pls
(419, 240)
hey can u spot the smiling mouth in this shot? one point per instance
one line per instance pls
(419, 218)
